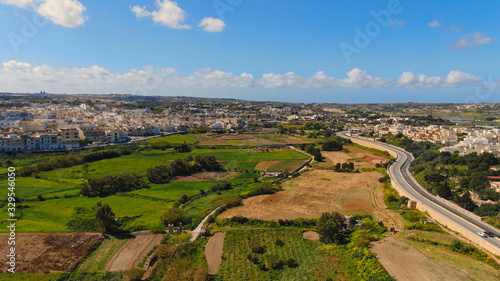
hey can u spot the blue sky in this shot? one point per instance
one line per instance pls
(422, 51)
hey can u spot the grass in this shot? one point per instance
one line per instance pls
(53, 215)
(96, 261)
(250, 165)
(242, 154)
(30, 276)
(174, 139)
(134, 163)
(290, 165)
(312, 263)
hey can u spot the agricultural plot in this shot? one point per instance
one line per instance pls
(125, 164)
(311, 263)
(174, 139)
(360, 157)
(49, 252)
(309, 195)
(255, 139)
(55, 214)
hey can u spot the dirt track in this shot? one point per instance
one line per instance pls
(405, 263)
(213, 252)
(133, 251)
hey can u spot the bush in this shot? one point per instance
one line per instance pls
(174, 216)
(279, 242)
(291, 263)
(239, 219)
(134, 274)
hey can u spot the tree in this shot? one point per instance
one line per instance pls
(351, 166)
(332, 145)
(444, 191)
(173, 216)
(331, 227)
(105, 218)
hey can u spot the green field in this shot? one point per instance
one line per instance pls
(289, 165)
(174, 139)
(312, 263)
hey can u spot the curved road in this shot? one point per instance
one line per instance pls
(399, 172)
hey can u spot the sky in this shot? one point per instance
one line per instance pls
(343, 51)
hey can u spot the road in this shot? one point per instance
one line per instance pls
(400, 174)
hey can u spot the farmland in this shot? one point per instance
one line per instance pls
(312, 263)
(52, 198)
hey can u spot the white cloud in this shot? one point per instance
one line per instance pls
(455, 28)
(19, 3)
(358, 78)
(454, 79)
(434, 23)
(140, 12)
(168, 14)
(472, 39)
(68, 13)
(24, 77)
(212, 24)
(396, 22)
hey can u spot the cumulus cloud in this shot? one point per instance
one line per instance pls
(212, 24)
(140, 12)
(24, 77)
(434, 23)
(472, 39)
(168, 13)
(455, 28)
(455, 78)
(67, 13)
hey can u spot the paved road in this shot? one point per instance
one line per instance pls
(196, 232)
(399, 172)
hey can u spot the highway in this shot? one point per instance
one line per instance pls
(400, 174)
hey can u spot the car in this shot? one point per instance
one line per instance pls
(489, 234)
(483, 233)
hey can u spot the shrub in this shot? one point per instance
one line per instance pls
(174, 216)
(279, 242)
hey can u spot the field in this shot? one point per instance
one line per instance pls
(51, 252)
(96, 261)
(174, 139)
(280, 166)
(312, 263)
(309, 195)
(361, 158)
(139, 209)
(132, 253)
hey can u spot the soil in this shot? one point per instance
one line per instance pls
(404, 262)
(213, 252)
(48, 252)
(206, 176)
(133, 252)
(308, 196)
(264, 165)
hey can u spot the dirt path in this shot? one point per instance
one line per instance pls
(196, 232)
(396, 257)
(213, 252)
(133, 251)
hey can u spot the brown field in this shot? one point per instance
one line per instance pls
(133, 251)
(48, 252)
(207, 176)
(308, 196)
(405, 263)
(213, 252)
(360, 157)
(206, 140)
(264, 165)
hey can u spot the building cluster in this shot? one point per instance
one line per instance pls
(479, 140)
